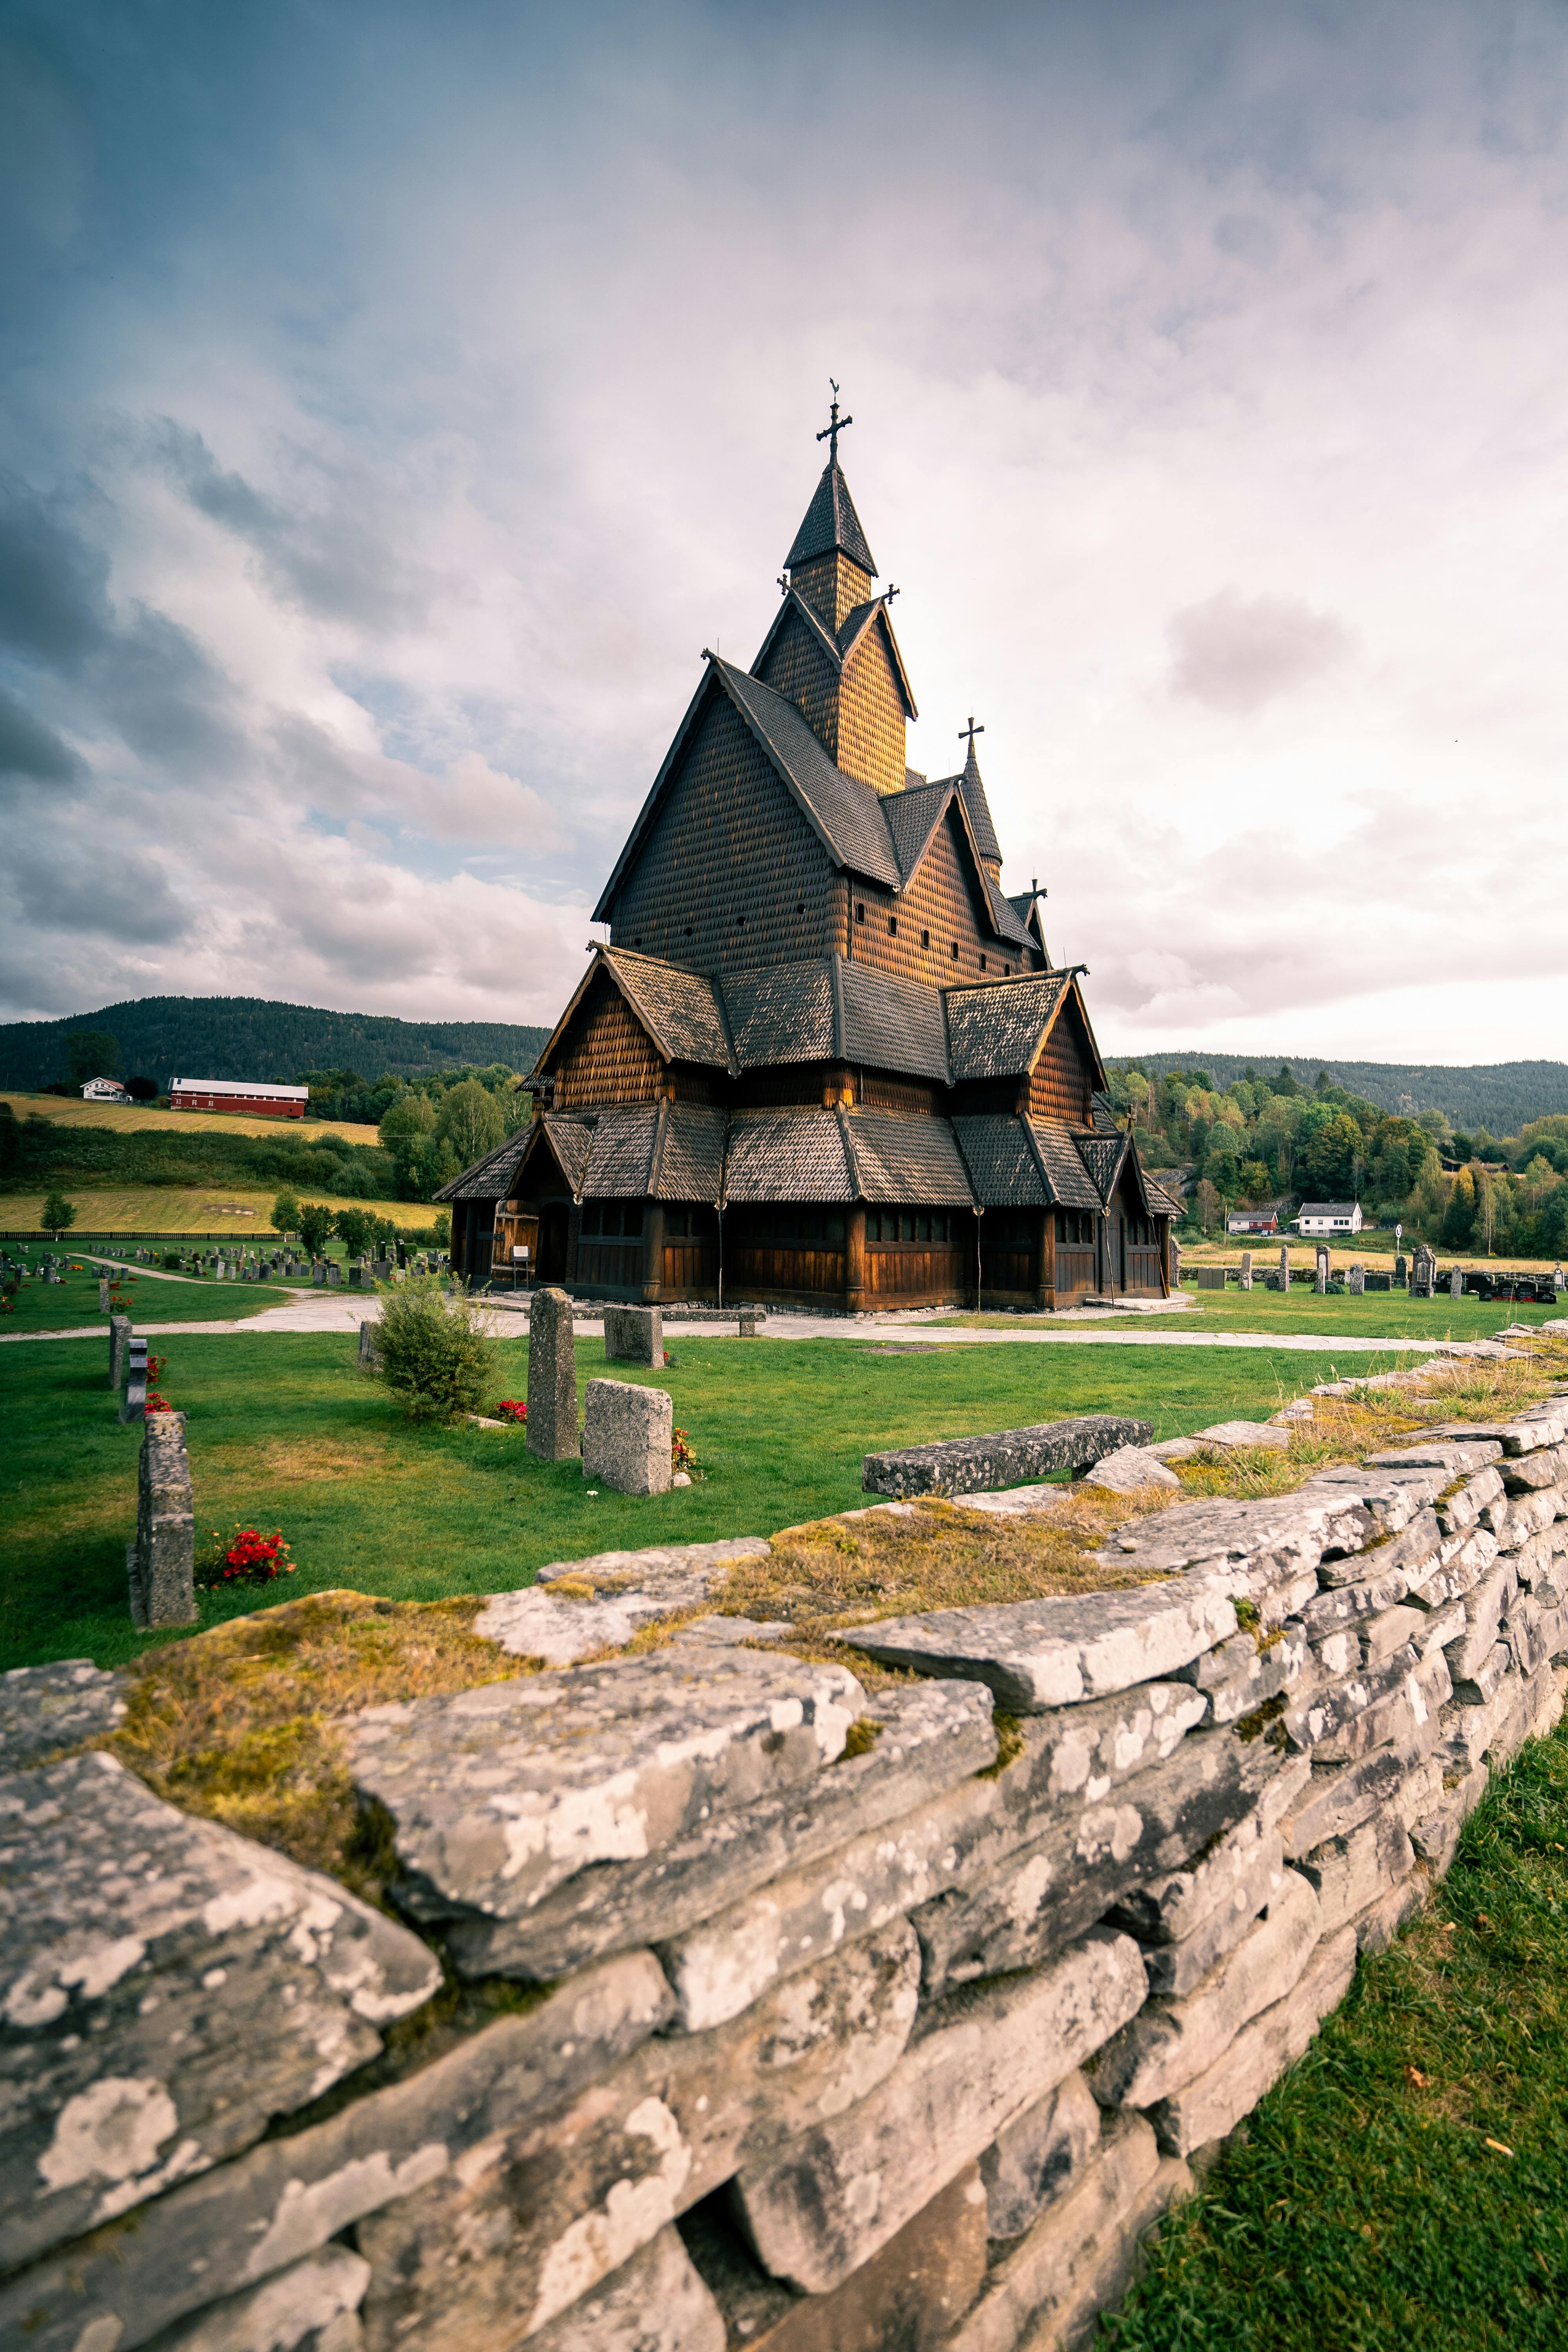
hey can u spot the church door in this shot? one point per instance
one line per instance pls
(552, 1240)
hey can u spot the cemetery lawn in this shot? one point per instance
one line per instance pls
(1381, 1314)
(67, 1306)
(284, 1431)
(1408, 2183)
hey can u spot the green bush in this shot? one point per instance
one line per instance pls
(286, 1210)
(433, 1352)
(314, 1223)
(357, 1228)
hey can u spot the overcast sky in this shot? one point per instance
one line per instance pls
(395, 399)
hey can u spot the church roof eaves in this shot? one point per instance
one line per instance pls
(1004, 1169)
(788, 1155)
(489, 1177)
(831, 524)
(680, 1009)
(898, 1156)
(889, 1024)
(1071, 1185)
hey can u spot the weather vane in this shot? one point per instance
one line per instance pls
(836, 425)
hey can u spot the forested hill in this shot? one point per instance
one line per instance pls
(251, 1037)
(1501, 1096)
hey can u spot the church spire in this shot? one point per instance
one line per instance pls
(831, 526)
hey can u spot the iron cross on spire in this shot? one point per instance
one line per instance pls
(835, 425)
(967, 734)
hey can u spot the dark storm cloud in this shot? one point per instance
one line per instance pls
(54, 603)
(1237, 653)
(334, 563)
(166, 696)
(30, 750)
(101, 889)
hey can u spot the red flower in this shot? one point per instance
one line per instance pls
(511, 1409)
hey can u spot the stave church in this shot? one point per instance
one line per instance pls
(823, 1059)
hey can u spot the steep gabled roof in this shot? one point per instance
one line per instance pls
(1071, 1185)
(795, 606)
(489, 1177)
(913, 816)
(846, 814)
(831, 525)
(997, 1029)
(1102, 1155)
(890, 1023)
(679, 1010)
(688, 1156)
(1005, 1167)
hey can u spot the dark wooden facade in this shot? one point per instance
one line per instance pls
(822, 1059)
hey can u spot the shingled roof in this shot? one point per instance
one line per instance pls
(831, 525)
(786, 1155)
(1004, 1169)
(897, 1157)
(1068, 1180)
(995, 1029)
(847, 814)
(489, 1177)
(689, 1152)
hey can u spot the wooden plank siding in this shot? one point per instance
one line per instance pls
(607, 1055)
(1063, 1078)
(909, 1270)
(914, 934)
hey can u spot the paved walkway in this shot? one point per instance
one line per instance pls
(344, 1310)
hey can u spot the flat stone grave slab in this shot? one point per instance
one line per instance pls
(170, 1988)
(43, 1708)
(499, 1795)
(1037, 1654)
(607, 1599)
(1243, 1432)
(1010, 1458)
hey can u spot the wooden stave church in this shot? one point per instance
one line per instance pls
(823, 1060)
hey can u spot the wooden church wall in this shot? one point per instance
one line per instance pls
(871, 728)
(607, 1055)
(914, 935)
(1063, 1077)
(798, 668)
(731, 874)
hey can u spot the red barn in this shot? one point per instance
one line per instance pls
(257, 1099)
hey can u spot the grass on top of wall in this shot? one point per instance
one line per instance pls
(1408, 2183)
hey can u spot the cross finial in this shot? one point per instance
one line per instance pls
(970, 732)
(892, 591)
(835, 425)
(784, 583)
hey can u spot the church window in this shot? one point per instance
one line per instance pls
(981, 964)
(636, 943)
(892, 927)
(688, 930)
(955, 952)
(740, 922)
(1006, 971)
(859, 910)
(1076, 1226)
(800, 910)
(925, 938)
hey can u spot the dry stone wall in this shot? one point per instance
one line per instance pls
(829, 2015)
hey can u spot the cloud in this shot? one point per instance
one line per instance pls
(1237, 653)
(27, 749)
(53, 582)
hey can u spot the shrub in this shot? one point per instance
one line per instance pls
(58, 1215)
(442, 1229)
(358, 1229)
(312, 1224)
(434, 1352)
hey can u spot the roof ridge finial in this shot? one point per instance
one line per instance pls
(969, 733)
(835, 425)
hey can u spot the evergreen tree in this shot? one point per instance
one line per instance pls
(1460, 1217)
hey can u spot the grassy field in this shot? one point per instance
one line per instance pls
(238, 1213)
(1408, 2183)
(1375, 1250)
(67, 1306)
(284, 1431)
(1382, 1314)
(70, 1110)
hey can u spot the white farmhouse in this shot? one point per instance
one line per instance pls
(104, 1090)
(1329, 1217)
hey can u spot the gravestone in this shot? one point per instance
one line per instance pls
(1211, 1277)
(161, 1562)
(1378, 1281)
(634, 1335)
(748, 1327)
(1400, 1274)
(1355, 1281)
(1557, 1277)
(1175, 1264)
(627, 1434)
(334, 1275)
(318, 1271)
(1320, 1280)
(1456, 1284)
(356, 1275)
(103, 1294)
(1424, 1271)
(133, 1403)
(1245, 1278)
(119, 1349)
(1285, 1269)
(369, 1354)
(552, 1378)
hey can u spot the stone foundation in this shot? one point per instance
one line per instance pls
(843, 2031)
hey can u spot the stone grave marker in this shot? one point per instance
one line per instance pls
(1355, 1281)
(133, 1403)
(551, 1378)
(634, 1335)
(103, 1294)
(161, 1562)
(334, 1275)
(748, 1327)
(356, 1273)
(1176, 1247)
(1557, 1277)
(1244, 1279)
(1400, 1270)
(118, 1350)
(318, 1271)
(1456, 1284)
(627, 1434)
(369, 1354)
(1285, 1270)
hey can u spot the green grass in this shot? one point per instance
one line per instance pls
(1362, 2207)
(67, 1306)
(284, 1431)
(1384, 1314)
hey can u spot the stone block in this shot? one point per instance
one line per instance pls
(934, 1737)
(313, 2307)
(1239, 1676)
(161, 1562)
(608, 1598)
(1244, 1433)
(1177, 1967)
(1036, 1655)
(1525, 1631)
(1351, 1872)
(1257, 1546)
(133, 1403)
(1031, 2158)
(1129, 1469)
(119, 1351)
(551, 1378)
(535, 2216)
(147, 1956)
(1481, 1687)
(44, 1708)
(908, 2295)
(1348, 1602)
(1436, 1835)
(1459, 1566)
(1455, 1458)
(1210, 2107)
(369, 1353)
(627, 1434)
(634, 1335)
(499, 1795)
(1530, 1472)
(1377, 1926)
(654, 2303)
(251, 2217)
(1012, 1457)
(1013, 1911)
(977, 2061)
(1083, 2252)
(1484, 1606)
(1172, 2042)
